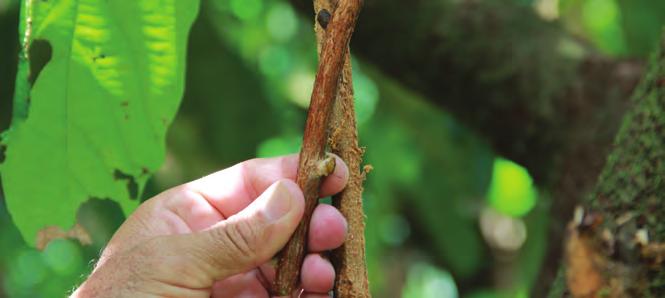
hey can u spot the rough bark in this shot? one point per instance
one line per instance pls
(349, 259)
(315, 139)
(540, 97)
(616, 247)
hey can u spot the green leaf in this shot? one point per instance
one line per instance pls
(95, 119)
(511, 191)
(602, 20)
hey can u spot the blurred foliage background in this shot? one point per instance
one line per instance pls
(446, 217)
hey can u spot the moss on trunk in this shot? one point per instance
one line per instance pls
(623, 226)
(633, 179)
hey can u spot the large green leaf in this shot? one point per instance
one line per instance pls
(93, 123)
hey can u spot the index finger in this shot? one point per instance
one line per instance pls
(232, 189)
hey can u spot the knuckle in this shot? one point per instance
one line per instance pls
(244, 171)
(241, 239)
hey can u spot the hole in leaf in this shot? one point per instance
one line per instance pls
(101, 217)
(132, 186)
(40, 54)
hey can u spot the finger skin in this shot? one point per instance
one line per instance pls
(337, 180)
(232, 189)
(318, 274)
(250, 237)
(327, 230)
(241, 285)
(314, 295)
(330, 227)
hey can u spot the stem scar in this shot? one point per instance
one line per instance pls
(326, 166)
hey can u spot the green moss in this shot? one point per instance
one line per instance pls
(633, 180)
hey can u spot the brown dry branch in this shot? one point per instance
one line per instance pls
(349, 259)
(333, 53)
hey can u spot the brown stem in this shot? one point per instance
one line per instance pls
(315, 137)
(349, 259)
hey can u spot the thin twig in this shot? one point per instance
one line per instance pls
(349, 259)
(315, 137)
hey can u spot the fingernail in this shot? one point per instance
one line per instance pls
(280, 202)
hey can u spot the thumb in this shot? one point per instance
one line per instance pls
(252, 236)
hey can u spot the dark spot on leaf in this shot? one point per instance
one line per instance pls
(100, 56)
(124, 103)
(323, 17)
(40, 54)
(126, 116)
(132, 186)
(3, 149)
(145, 171)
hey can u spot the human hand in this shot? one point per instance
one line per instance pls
(214, 237)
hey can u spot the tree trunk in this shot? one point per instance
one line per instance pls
(616, 246)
